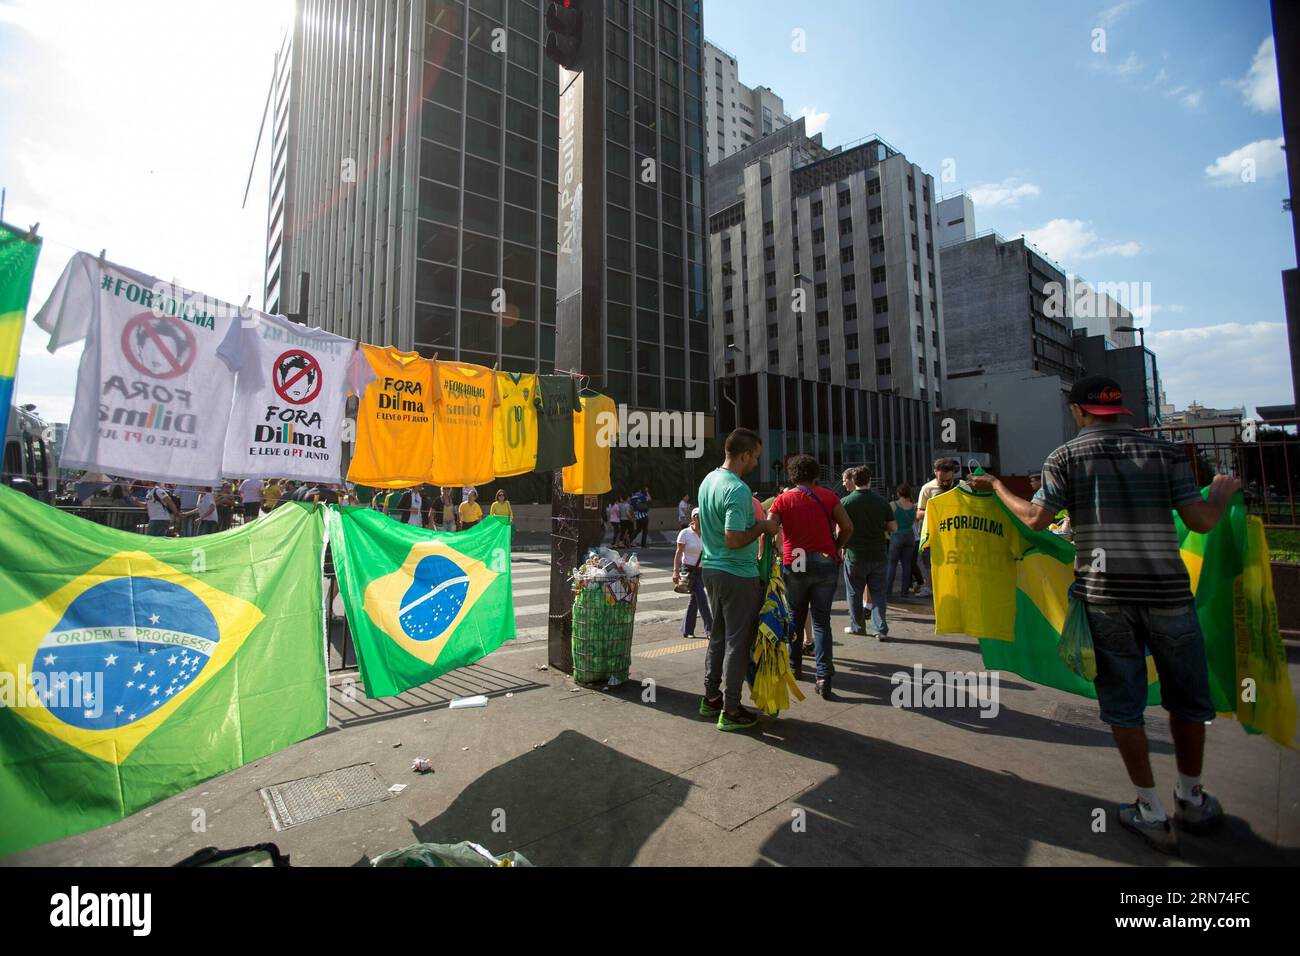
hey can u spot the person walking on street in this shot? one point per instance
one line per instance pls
(414, 508)
(501, 506)
(469, 512)
(206, 512)
(814, 530)
(902, 541)
(686, 568)
(1121, 488)
(161, 510)
(250, 495)
(729, 534)
(641, 514)
(683, 512)
(866, 555)
(944, 480)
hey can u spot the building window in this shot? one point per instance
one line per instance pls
(846, 254)
(773, 357)
(769, 253)
(819, 236)
(919, 307)
(767, 229)
(850, 283)
(853, 372)
(850, 313)
(873, 187)
(875, 216)
(878, 274)
(916, 272)
(771, 305)
(882, 335)
(819, 264)
(817, 208)
(823, 320)
(771, 278)
(877, 245)
(911, 184)
(773, 330)
(845, 199)
(846, 227)
(882, 366)
(821, 290)
(851, 342)
(920, 336)
(880, 305)
(931, 280)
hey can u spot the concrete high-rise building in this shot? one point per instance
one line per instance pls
(735, 115)
(1005, 309)
(414, 168)
(825, 267)
(955, 217)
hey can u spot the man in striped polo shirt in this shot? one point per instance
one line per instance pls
(1121, 488)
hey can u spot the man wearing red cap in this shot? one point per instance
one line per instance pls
(1121, 487)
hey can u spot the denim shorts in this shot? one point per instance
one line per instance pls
(1122, 634)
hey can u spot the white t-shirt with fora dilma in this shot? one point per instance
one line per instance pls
(156, 378)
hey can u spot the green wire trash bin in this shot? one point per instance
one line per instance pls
(604, 610)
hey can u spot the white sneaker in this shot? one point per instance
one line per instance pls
(923, 592)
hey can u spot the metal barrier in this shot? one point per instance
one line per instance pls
(1264, 455)
(123, 519)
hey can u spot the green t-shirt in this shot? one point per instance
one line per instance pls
(905, 517)
(556, 402)
(727, 504)
(870, 515)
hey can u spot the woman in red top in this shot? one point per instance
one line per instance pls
(814, 530)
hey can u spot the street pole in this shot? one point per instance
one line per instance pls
(577, 43)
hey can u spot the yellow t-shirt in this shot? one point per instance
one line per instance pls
(593, 430)
(469, 512)
(975, 548)
(462, 438)
(514, 447)
(502, 508)
(394, 446)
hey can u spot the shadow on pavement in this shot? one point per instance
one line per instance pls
(553, 798)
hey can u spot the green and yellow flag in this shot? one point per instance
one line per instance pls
(132, 668)
(1233, 589)
(420, 603)
(17, 266)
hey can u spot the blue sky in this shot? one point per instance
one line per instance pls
(1100, 157)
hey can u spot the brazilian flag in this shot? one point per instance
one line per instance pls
(17, 266)
(132, 668)
(420, 603)
(1232, 588)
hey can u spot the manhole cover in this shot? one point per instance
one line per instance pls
(1157, 728)
(310, 798)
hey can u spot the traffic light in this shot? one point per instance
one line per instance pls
(564, 33)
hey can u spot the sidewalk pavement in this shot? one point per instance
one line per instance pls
(632, 775)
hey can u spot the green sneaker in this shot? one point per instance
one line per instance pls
(741, 720)
(710, 710)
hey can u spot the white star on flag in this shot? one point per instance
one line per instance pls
(110, 660)
(130, 683)
(170, 691)
(172, 659)
(154, 690)
(153, 650)
(118, 709)
(151, 673)
(157, 702)
(89, 714)
(49, 659)
(90, 698)
(153, 618)
(137, 668)
(130, 717)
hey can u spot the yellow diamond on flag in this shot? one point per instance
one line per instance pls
(422, 603)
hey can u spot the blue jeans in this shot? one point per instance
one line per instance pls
(700, 601)
(1122, 635)
(158, 527)
(902, 550)
(858, 576)
(814, 588)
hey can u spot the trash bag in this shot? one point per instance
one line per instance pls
(261, 854)
(1075, 646)
(464, 853)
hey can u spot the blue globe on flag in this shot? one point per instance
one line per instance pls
(121, 650)
(438, 590)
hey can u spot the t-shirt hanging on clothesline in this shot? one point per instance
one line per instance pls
(556, 404)
(593, 431)
(394, 418)
(291, 395)
(463, 429)
(157, 375)
(515, 441)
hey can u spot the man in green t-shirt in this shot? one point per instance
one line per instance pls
(729, 530)
(866, 554)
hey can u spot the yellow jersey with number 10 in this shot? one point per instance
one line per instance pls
(514, 446)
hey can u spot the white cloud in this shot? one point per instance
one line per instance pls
(1224, 365)
(1258, 160)
(1143, 314)
(1111, 15)
(1191, 100)
(815, 122)
(1129, 66)
(1070, 240)
(1009, 192)
(1259, 87)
